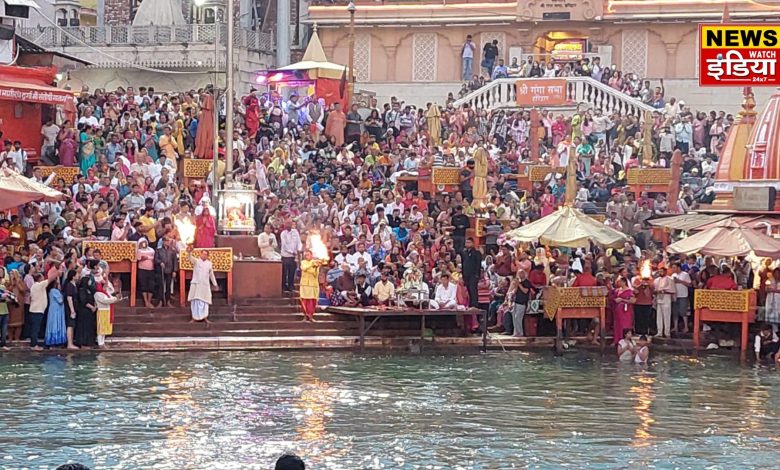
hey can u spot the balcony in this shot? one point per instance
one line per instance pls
(155, 46)
(122, 35)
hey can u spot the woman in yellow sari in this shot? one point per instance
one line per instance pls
(310, 285)
(178, 135)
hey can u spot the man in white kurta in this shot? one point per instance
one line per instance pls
(446, 294)
(200, 292)
(268, 245)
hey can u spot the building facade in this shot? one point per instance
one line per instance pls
(167, 56)
(421, 41)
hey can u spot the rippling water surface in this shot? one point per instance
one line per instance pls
(240, 410)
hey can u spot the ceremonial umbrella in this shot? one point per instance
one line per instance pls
(568, 227)
(728, 238)
(16, 190)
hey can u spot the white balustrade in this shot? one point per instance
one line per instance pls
(501, 93)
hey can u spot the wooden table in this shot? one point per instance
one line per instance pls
(564, 303)
(727, 306)
(360, 315)
(254, 278)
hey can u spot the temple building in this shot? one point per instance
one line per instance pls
(748, 174)
(413, 42)
(166, 44)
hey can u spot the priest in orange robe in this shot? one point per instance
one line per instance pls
(337, 121)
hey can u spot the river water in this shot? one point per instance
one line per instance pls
(339, 410)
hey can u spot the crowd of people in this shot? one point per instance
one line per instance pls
(322, 170)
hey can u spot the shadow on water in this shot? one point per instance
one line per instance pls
(240, 410)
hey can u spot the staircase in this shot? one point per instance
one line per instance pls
(501, 93)
(279, 317)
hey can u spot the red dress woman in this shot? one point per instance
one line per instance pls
(206, 229)
(624, 308)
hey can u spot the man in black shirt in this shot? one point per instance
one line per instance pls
(489, 54)
(461, 223)
(472, 269)
(466, 177)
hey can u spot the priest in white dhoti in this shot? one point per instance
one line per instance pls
(200, 291)
(269, 247)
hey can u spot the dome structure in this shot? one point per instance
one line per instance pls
(735, 149)
(750, 156)
(763, 148)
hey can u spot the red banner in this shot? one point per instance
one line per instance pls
(541, 92)
(29, 93)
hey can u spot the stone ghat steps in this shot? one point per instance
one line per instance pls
(214, 331)
(179, 317)
(277, 317)
(221, 301)
(183, 324)
(163, 312)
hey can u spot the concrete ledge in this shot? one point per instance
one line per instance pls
(473, 343)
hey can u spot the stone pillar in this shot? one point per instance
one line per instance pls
(282, 32)
(390, 51)
(244, 10)
(101, 12)
(671, 60)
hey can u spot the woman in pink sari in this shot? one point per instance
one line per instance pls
(624, 308)
(68, 146)
(205, 229)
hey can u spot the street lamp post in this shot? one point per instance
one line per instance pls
(229, 94)
(351, 9)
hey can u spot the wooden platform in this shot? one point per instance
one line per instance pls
(377, 313)
(261, 318)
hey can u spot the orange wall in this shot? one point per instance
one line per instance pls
(26, 129)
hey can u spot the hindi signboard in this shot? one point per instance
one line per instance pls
(541, 92)
(739, 55)
(569, 50)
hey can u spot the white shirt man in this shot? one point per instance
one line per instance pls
(91, 120)
(19, 157)
(664, 296)
(340, 258)
(361, 252)
(266, 241)
(708, 166)
(446, 294)
(376, 219)
(681, 282)
(290, 243)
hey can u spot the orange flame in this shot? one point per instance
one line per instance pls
(647, 270)
(186, 231)
(318, 248)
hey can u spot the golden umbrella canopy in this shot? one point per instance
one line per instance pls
(433, 119)
(17, 190)
(568, 227)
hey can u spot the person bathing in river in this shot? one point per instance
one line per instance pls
(766, 343)
(627, 348)
(642, 350)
